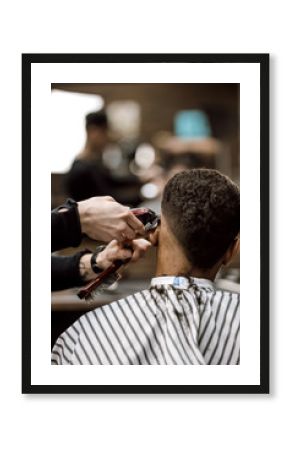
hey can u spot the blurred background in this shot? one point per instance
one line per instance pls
(126, 141)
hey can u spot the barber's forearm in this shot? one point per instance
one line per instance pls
(65, 272)
(65, 226)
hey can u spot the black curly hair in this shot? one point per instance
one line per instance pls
(202, 209)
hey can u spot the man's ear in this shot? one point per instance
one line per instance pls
(232, 251)
(154, 236)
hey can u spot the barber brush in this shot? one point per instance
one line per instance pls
(106, 278)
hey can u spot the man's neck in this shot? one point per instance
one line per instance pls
(171, 261)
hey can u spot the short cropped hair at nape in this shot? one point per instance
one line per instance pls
(202, 209)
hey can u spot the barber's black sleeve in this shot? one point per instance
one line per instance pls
(65, 226)
(65, 271)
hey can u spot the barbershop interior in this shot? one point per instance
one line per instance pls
(154, 131)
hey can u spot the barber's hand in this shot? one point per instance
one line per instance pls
(103, 219)
(116, 250)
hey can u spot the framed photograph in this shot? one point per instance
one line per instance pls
(145, 236)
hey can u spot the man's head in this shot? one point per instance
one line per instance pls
(97, 130)
(201, 208)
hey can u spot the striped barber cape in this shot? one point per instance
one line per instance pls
(177, 320)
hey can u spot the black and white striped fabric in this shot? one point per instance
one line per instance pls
(176, 321)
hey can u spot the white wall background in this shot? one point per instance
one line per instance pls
(66, 136)
(223, 422)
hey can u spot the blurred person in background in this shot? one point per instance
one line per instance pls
(88, 176)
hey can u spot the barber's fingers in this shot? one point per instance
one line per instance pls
(135, 224)
(128, 226)
(123, 254)
(125, 233)
(140, 247)
(116, 250)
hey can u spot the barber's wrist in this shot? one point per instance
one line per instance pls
(85, 268)
(102, 261)
(99, 260)
(84, 216)
(92, 263)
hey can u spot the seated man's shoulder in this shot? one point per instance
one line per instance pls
(138, 299)
(224, 295)
(126, 306)
(80, 166)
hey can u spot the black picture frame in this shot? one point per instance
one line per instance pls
(263, 61)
